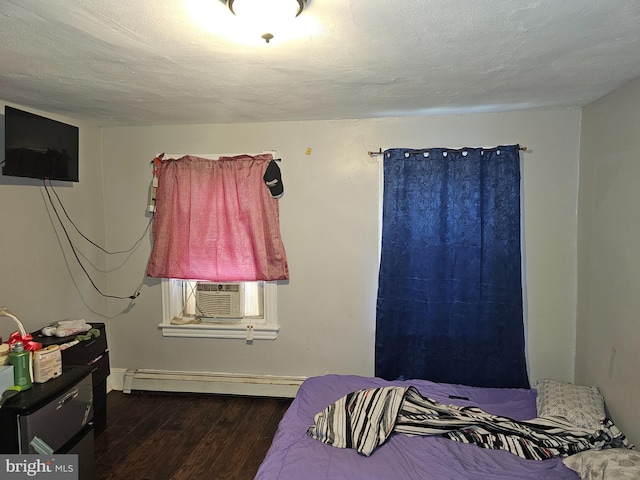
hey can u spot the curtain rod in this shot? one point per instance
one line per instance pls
(421, 150)
(160, 157)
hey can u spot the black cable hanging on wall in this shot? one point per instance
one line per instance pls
(136, 293)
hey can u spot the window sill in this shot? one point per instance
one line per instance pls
(240, 331)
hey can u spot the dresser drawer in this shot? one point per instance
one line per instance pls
(85, 352)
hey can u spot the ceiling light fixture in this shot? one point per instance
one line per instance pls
(267, 15)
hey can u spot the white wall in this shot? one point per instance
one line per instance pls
(330, 227)
(608, 341)
(40, 281)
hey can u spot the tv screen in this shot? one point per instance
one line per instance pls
(38, 147)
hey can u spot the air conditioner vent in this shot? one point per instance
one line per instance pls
(220, 300)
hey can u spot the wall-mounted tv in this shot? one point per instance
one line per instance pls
(39, 147)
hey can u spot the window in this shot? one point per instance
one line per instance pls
(258, 320)
(259, 317)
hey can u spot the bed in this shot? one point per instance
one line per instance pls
(294, 455)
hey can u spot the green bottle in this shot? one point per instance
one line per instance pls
(20, 359)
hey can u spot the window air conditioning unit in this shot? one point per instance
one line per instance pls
(220, 300)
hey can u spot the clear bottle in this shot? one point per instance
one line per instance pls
(21, 361)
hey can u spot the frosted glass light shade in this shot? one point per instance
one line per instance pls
(268, 17)
(266, 9)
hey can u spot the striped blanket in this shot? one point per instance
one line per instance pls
(365, 419)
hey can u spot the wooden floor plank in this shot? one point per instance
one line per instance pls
(247, 433)
(209, 454)
(264, 437)
(177, 436)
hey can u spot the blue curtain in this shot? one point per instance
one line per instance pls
(449, 305)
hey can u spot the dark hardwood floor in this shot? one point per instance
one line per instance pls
(158, 436)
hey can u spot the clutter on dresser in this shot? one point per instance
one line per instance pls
(53, 350)
(22, 366)
(65, 328)
(4, 353)
(47, 364)
(21, 344)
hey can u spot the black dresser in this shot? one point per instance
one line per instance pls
(94, 353)
(58, 412)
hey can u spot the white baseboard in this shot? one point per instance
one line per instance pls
(128, 380)
(116, 379)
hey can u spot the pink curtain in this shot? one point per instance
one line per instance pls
(216, 220)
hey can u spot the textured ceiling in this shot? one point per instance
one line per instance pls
(151, 62)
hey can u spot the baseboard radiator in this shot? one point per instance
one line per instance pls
(204, 382)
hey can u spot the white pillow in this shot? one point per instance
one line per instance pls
(581, 405)
(618, 463)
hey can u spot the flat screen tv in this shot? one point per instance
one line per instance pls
(39, 147)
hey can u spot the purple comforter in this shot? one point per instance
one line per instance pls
(295, 456)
